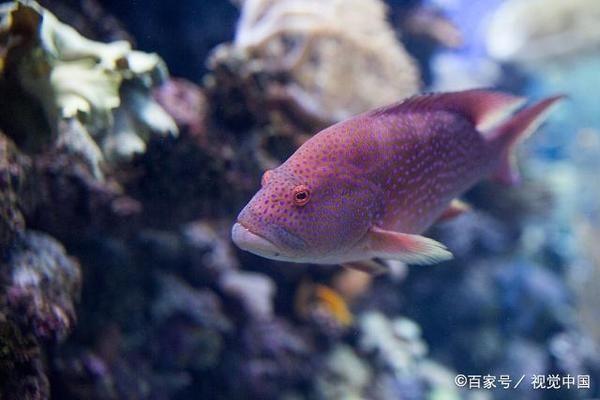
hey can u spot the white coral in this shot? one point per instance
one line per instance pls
(100, 91)
(343, 55)
(530, 30)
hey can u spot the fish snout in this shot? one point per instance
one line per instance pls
(249, 241)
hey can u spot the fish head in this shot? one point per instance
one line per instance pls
(306, 218)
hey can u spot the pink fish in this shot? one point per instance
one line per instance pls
(369, 186)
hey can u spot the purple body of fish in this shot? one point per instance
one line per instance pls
(369, 186)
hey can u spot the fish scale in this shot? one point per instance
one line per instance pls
(423, 157)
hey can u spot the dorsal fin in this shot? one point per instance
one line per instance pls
(485, 109)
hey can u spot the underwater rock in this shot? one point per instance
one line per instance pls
(91, 376)
(200, 306)
(474, 231)
(297, 66)
(345, 375)
(57, 193)
(42, 285)
(210, 250)
(182, 180)
(64, 198)
(186, 103)
(532, 31)
(11, 177)
(22, 372)
(178, 342)
(39, 285)
(99, 92)
(254, 290)
(276, 357)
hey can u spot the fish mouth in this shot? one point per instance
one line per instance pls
(250, 241)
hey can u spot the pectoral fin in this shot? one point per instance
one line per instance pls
(456, 208)
(411, 249)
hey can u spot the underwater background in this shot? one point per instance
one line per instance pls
(132, 132)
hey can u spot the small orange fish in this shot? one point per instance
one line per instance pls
(334, 304)
(321, 301)
(369, 186)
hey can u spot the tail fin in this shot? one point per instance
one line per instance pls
(514, 130)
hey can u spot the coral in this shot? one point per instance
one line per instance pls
(218, 175)
(42, 285)
(398, 353)
(296, 67)
(22, 374)
(39, 284)
(89, 91)
(254, 291)
(388, 360)
(200, 307)
(186, 103)
(11, 175)
(396, 343)
(189, 325)
(275, 358)
(312, 40)
(87, 205)
(211, 252)
(526, 31)
(345, 375)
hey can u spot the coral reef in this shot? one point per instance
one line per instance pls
(11, 176)
(44, 283)
(21, 364)
(146, 298)
(39, 284)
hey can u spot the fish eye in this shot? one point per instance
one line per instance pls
(265, 178)
(301, 195)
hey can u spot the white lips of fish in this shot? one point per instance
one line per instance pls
(254, 243)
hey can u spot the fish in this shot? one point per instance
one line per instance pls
(318, 300)
(368, 187)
